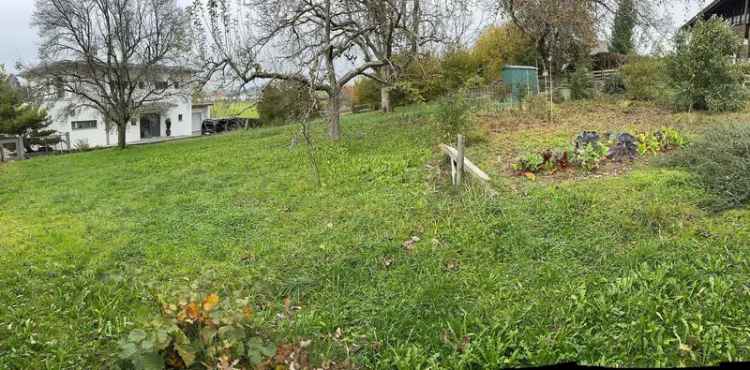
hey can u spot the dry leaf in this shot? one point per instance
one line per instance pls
(248, 312)
(210, 302)
(452, 265)
(685, 348)
(192, 312)
(410, 244)
(387, 261)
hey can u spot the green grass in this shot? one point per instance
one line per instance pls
(617, 271)
(224, 109)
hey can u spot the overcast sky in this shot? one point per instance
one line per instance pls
(19, 41)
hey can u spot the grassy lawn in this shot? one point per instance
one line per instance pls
(614, 270)
(224, 109)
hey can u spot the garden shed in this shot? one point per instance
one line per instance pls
(522, 80)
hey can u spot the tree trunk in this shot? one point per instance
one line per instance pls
(415, 20)
(385, 99)
(121, 134)
(334, 116)
(385, 90)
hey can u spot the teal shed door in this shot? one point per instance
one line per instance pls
(522, 80)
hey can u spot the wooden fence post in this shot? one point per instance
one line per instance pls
(460, 162)
(20, 151)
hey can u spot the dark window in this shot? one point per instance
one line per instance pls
(80, 125)
(162, 85)
(141, 85)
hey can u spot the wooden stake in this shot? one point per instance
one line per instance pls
(460, 162)
(20, 153)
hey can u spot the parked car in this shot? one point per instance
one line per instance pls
(215, 126)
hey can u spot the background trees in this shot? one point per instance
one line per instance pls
(18, 115)
(285, 100)
(622, 31)
(322, 44)
(110, 53)
(562, 31)
(294, 40)
(500, 45)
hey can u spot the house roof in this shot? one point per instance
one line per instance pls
(710, 7)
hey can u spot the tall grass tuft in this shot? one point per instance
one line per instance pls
(721, 162)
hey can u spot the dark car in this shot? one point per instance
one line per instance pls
(215, 126)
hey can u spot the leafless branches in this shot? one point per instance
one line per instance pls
(242, 42)
(111, 53)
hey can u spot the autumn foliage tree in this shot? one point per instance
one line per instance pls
(500, 45)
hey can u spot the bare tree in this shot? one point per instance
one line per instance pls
(402, 28)
(562, 30)
(112, 55)
(316, 33)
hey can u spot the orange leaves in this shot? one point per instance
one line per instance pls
(210, 302)
(247, 312)
(195, 312)
(207, 331)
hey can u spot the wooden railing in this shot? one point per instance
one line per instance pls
(20, 152)
(52, 144)
(461, 164)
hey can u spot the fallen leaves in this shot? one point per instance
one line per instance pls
(210, 302)
(387, 261)
(192, 312)
(452, 265)
(411, 243)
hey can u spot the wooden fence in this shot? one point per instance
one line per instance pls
(18, 153)
(599, 78)
(603, 75)
(461, 164)
(53, 144)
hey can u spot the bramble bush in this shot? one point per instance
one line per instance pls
(644, 78)
(721, 162)
(284, 100)
(453, 116)
(614, 84)
(200, 331)
(581, 84)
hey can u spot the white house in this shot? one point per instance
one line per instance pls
(87, 126)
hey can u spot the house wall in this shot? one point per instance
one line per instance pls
(205, 113)
(62, 122)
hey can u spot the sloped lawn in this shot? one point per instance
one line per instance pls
(616, 271)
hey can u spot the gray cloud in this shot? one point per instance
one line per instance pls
(18, 40)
